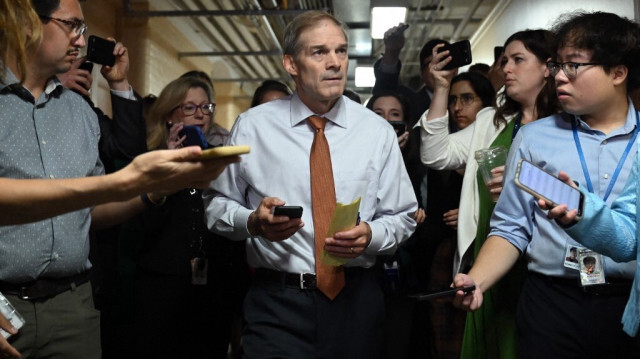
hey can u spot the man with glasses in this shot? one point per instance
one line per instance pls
(595, 142)
(49, 132)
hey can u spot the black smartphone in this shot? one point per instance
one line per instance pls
(195, 137)
(100, 51)
(398, 126)
(543, 184)
(289, 211)
(401, 29)
(497, 51)
(460, 53)
(449, 292)
(87, 65)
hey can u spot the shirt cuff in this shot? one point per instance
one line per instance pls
(436, 125)
(377, 237)
(129, 95)
(240, 222)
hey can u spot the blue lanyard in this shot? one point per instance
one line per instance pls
(585, 170)
(516, 126)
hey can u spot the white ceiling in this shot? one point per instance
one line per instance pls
(248, 33)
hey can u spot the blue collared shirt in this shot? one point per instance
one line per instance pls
(366, 163)
(54, 136)
(549, 143)
(614, 232)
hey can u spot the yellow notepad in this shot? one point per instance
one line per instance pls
(344, 218)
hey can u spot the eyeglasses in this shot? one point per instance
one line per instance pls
(77, 26)
(189, 109)
(569, 68)
(466, 99)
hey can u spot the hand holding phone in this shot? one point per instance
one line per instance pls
(460, 53)
(399, 126)
(87, 65)
(289, 211)
(449, 292)
(194, 137)
(100, 51)
(543, 185)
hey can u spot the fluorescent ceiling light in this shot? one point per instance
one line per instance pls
(364, 76)
(384, 18)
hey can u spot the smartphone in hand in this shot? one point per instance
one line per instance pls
(100, 51)
(449, 292)
(289, 211)
(460, 53)
(195, 137)
(87, 65)
(542, 184)
(399, 126)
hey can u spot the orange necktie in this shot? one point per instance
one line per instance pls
(329, 279)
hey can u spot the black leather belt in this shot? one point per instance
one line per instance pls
(44, 287)
(613, 287)
(303, 281)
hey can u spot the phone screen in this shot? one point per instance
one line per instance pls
(548, 186)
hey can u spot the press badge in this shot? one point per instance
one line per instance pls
(571, 257)
(199, 267)
(591, 267)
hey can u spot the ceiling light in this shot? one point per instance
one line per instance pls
(364, 76)
(386, 14)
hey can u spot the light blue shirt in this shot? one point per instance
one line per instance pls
(366, 163)
(549, 143)
(613, 231)
(53, 136)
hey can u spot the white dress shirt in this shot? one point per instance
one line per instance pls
(366, 163)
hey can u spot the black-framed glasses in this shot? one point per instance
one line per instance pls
(189, 109)
(466, 99)
(77, 26)
(570, 69)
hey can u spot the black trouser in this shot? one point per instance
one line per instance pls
(175, 319)
(284, 321)
(559, 320)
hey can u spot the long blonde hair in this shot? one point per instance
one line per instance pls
(20, 30)
(170, 98)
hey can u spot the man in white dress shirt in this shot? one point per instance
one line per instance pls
(286, 315)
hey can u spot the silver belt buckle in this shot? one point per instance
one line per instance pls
(302, 281)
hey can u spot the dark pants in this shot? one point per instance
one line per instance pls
(175, 319)
(556, 320)
(288, 322)
(66, 326)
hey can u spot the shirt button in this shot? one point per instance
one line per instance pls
(56, 256)
(52, 176)
(606, 175)
(604, 142)
(44, 142)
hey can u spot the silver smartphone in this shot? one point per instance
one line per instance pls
(9, 312)
(543, 184)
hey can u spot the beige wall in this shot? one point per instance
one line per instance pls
(516, 15)
(154, 58)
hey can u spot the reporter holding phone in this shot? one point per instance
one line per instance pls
(594, 141)
(183, 278)
(527, 96)
(610, 230)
